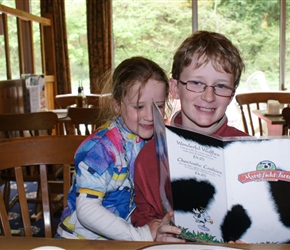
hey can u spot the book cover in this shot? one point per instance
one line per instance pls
(226, 189)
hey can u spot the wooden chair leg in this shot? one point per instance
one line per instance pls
(6, 194)
(38, 207)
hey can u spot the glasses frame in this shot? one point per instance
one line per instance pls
(207, 86)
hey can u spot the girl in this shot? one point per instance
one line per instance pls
(100, 200)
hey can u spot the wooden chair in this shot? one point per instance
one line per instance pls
(67, 100)
(255, 100)
(286, 116)
(86, 117)
(12, 96)
(42, 152)
(20, 125)
(33, 124)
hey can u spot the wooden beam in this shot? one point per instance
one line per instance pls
(24, 15)
(6, 40)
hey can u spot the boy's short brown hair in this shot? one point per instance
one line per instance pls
(204, 47)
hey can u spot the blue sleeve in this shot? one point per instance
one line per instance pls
(94, 163)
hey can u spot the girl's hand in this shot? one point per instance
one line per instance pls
(161, 230)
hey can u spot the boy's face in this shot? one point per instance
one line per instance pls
(201, 111)
(137, 115)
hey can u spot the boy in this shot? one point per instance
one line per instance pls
(206, 71)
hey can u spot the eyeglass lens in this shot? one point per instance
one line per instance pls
(219, 89)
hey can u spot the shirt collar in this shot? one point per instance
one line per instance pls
(127, 134)
(177, 121)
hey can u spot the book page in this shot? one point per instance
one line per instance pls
(34, 97)
(257, 173)
(196, 164)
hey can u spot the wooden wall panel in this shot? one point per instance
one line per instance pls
(49, 91)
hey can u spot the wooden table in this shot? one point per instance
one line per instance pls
(64, 125)
(61, 113)
(274, 123)
(31, 243)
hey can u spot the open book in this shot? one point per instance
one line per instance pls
(225, 189)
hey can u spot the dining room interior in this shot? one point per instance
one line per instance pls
(43, 51)
(48, 55)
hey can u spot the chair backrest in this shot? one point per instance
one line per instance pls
(254, 100)
(67, 100)
(12, 96)
(286, 116)
(20, 125)
(15, 125)
(260, 77)
(41, 152)
(84, 119)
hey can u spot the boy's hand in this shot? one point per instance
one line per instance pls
(237, 241)
(162, 231)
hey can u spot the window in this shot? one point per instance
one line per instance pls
(12, 31)
(13, 44)
(254, 27)
(153, 29)
(156, 28)
(77, 44)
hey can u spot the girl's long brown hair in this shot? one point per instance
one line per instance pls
(129, 72)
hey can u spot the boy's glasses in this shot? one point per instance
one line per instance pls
(218, 89)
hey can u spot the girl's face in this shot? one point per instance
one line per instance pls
(137, 114)
(201, 111)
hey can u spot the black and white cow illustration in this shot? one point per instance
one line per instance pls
(202, 217)
(237, 221)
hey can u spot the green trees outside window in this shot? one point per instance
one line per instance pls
(155, 28)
